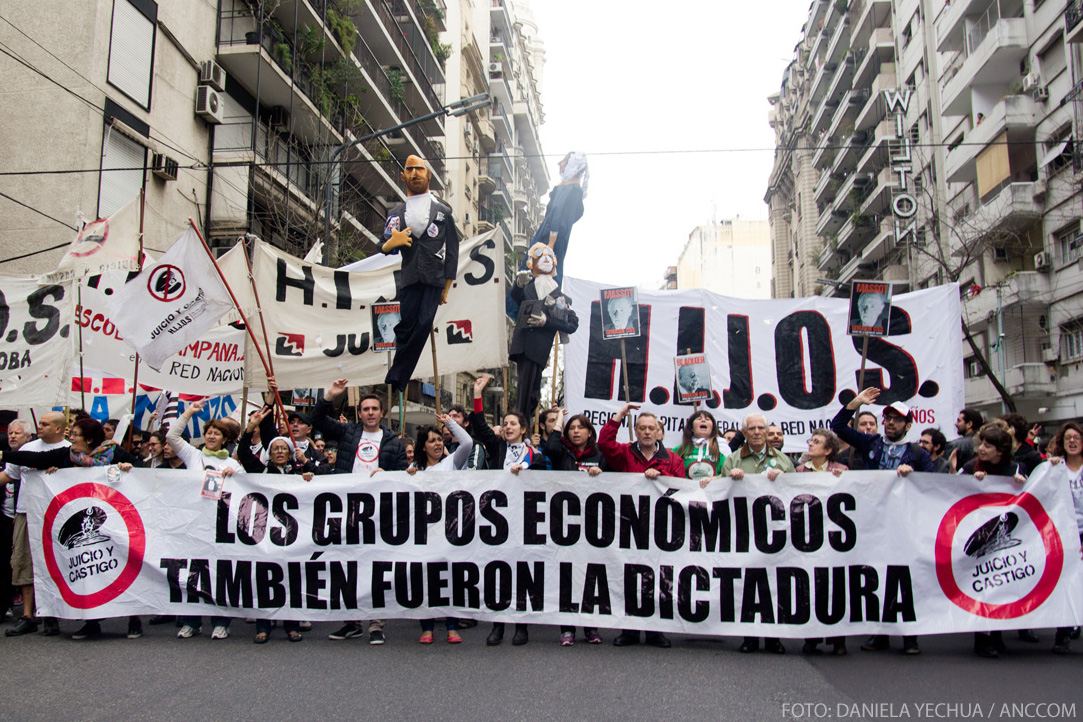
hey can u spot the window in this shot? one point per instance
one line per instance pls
(1053, 59)
(1071, 341)
(131, 48)
(1059, 151)
(1068, 243)
(971, 368)
(123, 160)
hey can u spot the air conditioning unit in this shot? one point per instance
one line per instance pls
(1050, 355)
(1031, 82)
(209, 105)
(280, 119)
(1043, 261)
(163, 166)
(1040, 94)
(495, 68)
(211, 73)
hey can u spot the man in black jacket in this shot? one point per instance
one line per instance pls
(364, 448)
(423, 231)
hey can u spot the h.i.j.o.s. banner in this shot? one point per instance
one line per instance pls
(806, 555)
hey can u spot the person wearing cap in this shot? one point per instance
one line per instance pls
(300, 429)
(889, 452)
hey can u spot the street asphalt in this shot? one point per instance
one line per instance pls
(160, 677)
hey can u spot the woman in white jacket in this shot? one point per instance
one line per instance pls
(429, 455)
(216, 436)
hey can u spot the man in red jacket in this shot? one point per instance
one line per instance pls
(646, 455)
(649, 456)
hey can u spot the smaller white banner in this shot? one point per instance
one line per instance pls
(35, 341)
(172, 303)
(104, 245)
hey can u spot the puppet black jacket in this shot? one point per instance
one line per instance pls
(433, 258)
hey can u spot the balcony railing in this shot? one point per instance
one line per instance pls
(425, 80)
(1073, 14)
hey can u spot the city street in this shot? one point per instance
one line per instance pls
(159, 677)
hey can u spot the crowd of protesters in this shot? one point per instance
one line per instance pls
(303, 447)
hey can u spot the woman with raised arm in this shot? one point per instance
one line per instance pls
(576, 449)
(430, 455)
(1067, 445)
(509, 451)
(216, 436)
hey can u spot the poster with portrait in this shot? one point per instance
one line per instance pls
(870, 308)
(693, 378)
(385, 316)
(620, 313)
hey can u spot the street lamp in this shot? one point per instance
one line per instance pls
(455, 109)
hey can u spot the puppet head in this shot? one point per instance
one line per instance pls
(541, 260)
(415, 176)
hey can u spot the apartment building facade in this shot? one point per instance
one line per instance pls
(977, 129)
(730, 257)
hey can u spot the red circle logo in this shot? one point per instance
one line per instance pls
(91, 238)
(166, 283)
(1047, 582)
(137, 543)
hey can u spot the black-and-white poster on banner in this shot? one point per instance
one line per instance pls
(693, 378)
(620, 313)
(385, 316)
(870, 308)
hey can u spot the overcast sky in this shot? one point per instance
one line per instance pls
(686, 75)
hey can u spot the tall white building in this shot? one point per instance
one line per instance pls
(987, 142)
(732, 258)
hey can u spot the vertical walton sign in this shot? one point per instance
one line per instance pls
(904, 206)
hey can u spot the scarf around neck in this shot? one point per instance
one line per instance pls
(102, 456)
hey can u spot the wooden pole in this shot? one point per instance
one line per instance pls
(263, 325)
(135, 372)
(627, 392)
(82, 374)
(505, 370)
(244, 318)
(435, 369)
(864, 356)
(553, 380)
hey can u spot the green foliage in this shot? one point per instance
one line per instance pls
(342, 28)
(442, 51)
(395, 82)
(284, 56)
(310, 40)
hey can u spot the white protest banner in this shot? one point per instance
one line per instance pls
(789, 359)
(171, 303)
(35, 341)
(212, 365)
(319, 320)
(104, 245)
(808, 555)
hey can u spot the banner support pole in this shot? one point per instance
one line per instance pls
(864, 357)
(240, 311)
(624, 373)
(435, 369)
(263, 326)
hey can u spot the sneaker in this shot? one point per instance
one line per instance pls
(135, 629)
(593, 637)
(87, 631)
(50, 627)
(25, 625)
(347, 631)
(567, 639)
(220, 632)
(188, 631)
(376, 637)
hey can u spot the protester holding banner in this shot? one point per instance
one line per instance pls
(699, 447)
(364, 448)
(19, 433)
(511, 452)
(646, 455)
(430, 456)
(993, 456)
(755, 456)
(887, 452)
(88, 447)
(213, 456)
(1068, 444)
(823, 447)
(283, 457)
(575, 450)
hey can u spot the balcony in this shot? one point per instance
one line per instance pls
(1009, 213)
(875, 109)
(856, 232)
(1017, 115)
(391, 42)
(1073, 27)
(992, 59)
(843, 79)
(827, 188)
(1027, 288)
(877, 196)
(825, 152)
(866, 17)
(499, 87)
(821, 81)
(882, 243)
(849, 153)
(830, 222)
(843, 122)
(1030, 381)
(840, 42)
(823, 115)
(877, 58)
(874, 155)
